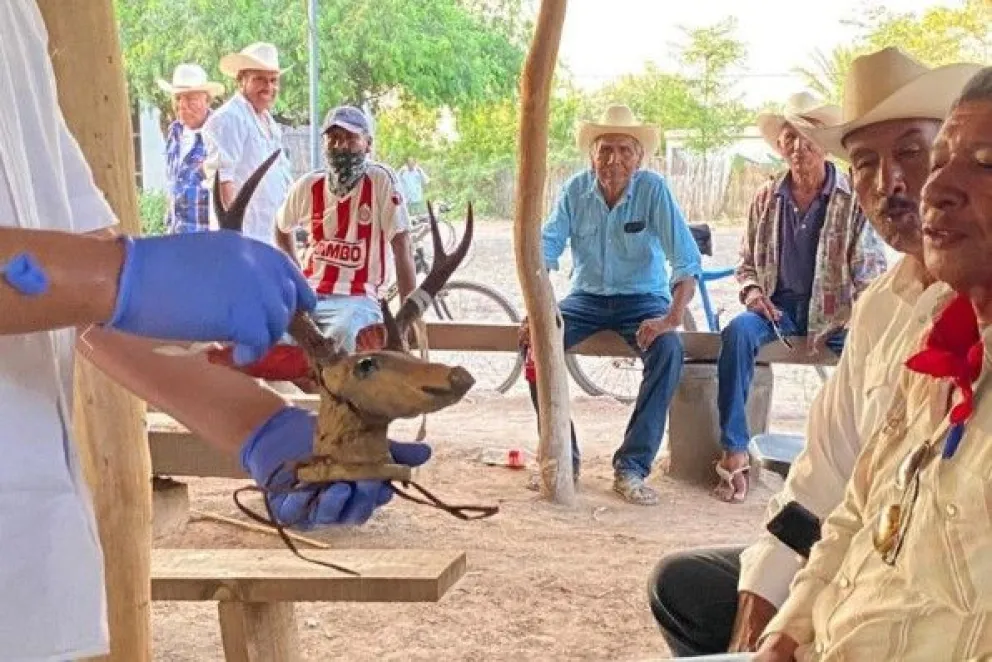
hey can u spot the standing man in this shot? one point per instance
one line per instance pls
(623, 225)
(357, 226)
(413, 179)
(712, 600)
(188, 203)
(808, 252)
(242, 133)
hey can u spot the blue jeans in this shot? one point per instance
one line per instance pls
(585, 314)
(740, 342)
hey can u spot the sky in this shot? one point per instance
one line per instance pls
(603, 39)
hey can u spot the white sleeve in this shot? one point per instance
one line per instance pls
(90, 209)
(819, 475)
(225, 137)
(295, 209)
(393, 215)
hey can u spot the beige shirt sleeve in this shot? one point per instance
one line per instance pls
(795, 618)
(819, 475)
(296, 208)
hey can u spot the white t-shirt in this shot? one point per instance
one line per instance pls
(52, 604)
(353, 255)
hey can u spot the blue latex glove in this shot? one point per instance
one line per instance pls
(288, 436)
(209, 286)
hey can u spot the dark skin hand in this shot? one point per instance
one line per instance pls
(753, 615)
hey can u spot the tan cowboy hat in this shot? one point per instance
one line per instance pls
(190, 78)
(890, 85)
(259, 56)
(801, 110)
(619, 119)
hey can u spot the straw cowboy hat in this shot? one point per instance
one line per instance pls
(890, 85)
(259, 56)
(190, 78)
(801, 110)
(619, 119)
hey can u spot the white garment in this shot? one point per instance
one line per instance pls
(238, 141)
(52, 604)
(388, 217)
(887, 319)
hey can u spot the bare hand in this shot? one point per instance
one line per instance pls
(814, 344)
(753, 614)
(757, 302)
(777, 648)
(650, 329)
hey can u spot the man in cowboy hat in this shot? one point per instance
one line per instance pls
(807, 252)
(623, 225)
(242, 133)
(185, 151)
(357, 224)
(892, 110)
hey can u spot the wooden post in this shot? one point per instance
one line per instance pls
(554, 451)
(109, 421)
(258, 631)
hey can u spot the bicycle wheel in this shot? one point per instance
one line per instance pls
(615, 376)
(465, 301)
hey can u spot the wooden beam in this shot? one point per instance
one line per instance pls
(108, 421)
(554, 452)
(699, 346)
(276, 575)
(258, 631)
(176, 452)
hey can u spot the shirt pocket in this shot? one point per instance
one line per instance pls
(958, 544)
(585, 238)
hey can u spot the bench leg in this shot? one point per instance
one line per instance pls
(258, 631)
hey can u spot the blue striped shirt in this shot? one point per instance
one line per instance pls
(621, 250)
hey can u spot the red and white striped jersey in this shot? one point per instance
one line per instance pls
(348, 245)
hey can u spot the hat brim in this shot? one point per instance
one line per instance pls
(234, 63)
(770, 125)
(928, 96)
(213, 89)
(647, 135)
(347, 126)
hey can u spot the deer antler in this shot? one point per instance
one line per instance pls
(441, 270)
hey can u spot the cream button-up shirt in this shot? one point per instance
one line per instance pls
(886, 320)
(935, 603)
(238, 140)
(52, 604)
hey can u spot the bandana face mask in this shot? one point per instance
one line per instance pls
(345, 168)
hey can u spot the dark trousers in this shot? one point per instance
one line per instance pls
(584, 315)
(693, 596)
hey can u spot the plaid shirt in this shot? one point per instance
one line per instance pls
(849, 257)
(188, 205)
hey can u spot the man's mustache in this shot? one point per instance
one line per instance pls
(896, 205)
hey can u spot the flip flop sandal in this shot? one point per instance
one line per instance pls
(727, 490)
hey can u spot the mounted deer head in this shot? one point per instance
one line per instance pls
(361, 394)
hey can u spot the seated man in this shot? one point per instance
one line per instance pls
(712, 600)
(356, 221)
(622, 224)
(806, 254)
(902, 570)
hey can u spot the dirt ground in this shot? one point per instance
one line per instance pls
(544, 582)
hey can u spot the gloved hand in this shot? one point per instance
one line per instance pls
(209, 286)
(288, 436)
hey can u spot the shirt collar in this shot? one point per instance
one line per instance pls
(628, 192)
(830, 182)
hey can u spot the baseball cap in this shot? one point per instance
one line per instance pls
(348, 118)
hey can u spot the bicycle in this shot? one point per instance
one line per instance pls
(462, 300)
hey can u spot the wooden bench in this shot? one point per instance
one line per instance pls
(256, 590)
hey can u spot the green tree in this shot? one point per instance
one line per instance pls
(710, 59)
(439, 52)
(827, 73)
(667, 100)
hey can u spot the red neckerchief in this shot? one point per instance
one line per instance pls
(953, 350)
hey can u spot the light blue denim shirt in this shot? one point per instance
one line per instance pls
(623, 250)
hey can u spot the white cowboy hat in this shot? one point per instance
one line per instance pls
(260, 56)
(890, 85)
(190, 78)
(802, 110)
(619, 119)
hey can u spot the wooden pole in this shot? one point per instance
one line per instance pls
(109, 421)
(554, 454)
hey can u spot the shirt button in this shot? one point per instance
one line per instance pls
(845, 582)
(818, 647)
(952, 510)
